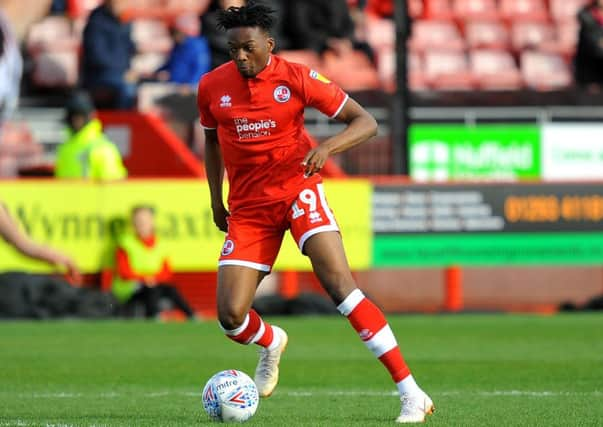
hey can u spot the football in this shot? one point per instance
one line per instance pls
(230, 396)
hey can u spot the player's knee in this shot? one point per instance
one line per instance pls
(230, 318)
(338, 285)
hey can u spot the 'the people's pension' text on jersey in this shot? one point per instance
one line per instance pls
(260, 126)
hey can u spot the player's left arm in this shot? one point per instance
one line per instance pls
(361, 126)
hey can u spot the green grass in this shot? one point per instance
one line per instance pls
(481, 370)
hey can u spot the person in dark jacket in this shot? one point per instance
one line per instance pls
(107, 51)
(589, 53)
(190, 57)
(324, 25)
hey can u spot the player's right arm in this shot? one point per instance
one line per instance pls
(9, 231)
(214, 168)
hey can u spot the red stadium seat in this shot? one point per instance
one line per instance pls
(306, 57)
(529, 10)
(52, 33)
(440, 35)
(495, 70)
(448, 70)
(416, 73)
(544, 71)
(475, 9)
(56, 69)
(147, 63)
(380, 32)
(486, 34)
(81, 8)
(530, 35)
(438, 9)
(353, 72)
(566, 10)
(151, 35)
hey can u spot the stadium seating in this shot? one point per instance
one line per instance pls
(475, 10)
(448, 70)
(544, 71)
(565, 10)
(486, 34)
(54, 49)
(530, 35)
(151, 35)
(469, 29)
(494, 70)
(523, 10)
(432, 34)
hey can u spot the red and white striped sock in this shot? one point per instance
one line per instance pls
(254, 331)
(368, 320)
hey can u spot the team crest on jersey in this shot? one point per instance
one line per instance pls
(317, 76)
(228, 247)
(225, 101)
(282, 94)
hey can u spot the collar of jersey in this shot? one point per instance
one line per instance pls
(267, 70)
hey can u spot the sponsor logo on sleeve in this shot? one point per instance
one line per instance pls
(317, 76)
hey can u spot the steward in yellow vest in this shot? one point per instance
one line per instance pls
(87, 153)
(142, 268)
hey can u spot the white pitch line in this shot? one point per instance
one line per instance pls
(312, 393)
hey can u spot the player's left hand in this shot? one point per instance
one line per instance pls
(315, 160)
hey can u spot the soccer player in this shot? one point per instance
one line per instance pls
(252, 111)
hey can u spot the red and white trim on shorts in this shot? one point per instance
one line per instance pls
(331, 226)
(243, 263)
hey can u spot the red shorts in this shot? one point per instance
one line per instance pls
(254, 238)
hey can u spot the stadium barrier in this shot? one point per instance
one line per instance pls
(386, 224)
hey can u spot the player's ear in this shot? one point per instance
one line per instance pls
(271, 44)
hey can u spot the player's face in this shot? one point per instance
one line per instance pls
(250, 48)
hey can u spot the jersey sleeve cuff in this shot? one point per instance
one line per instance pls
(340, 107)
(208, 127)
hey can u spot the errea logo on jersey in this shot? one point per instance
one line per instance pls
(282, 94)
(225, 101)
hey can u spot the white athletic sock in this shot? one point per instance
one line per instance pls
(408, 386)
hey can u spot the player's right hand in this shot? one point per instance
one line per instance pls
(221, 215)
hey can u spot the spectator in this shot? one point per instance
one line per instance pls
(87, 153)
(143, 268)
(324, 25)
(9, 231)
(589, 52)
(190, 57)
(107, 52)
(11, 67)
(58, 7)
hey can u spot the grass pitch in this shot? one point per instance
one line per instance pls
(480, 370)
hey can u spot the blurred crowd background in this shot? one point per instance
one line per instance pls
(147, 55)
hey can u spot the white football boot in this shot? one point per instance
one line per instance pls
(266, 373)
(415, 407)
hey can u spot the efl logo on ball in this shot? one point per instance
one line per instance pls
(230, 396)
(282, 94)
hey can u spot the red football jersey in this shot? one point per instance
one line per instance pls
(260, 126)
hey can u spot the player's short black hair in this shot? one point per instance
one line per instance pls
(252, 15)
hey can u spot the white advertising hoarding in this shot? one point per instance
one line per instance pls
(572, 151)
